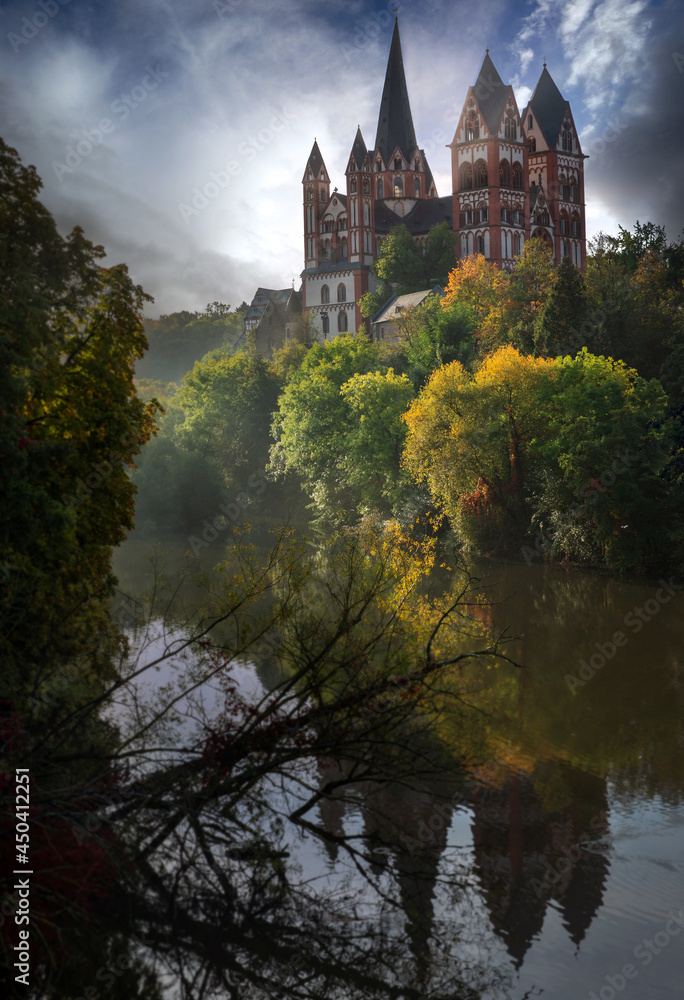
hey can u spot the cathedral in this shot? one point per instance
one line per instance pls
(514, 176)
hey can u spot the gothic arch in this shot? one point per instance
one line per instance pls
(505, 174)
(480, 174)
(465, 177)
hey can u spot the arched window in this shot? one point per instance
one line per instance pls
(517, 177)
(378, 188)
(341, 292)
(397, 163)
(352, 185)
(573, 190)
(366, 214)
(516, 244)
(325, 293)
(465, 177)
(505, 174)
(309, 194)
(398, 187)
(481, 245)
(530, 122)
(532, 144)
(342, 322)
(506, 243)
(564, 228)
(310, 218)
(472, 128)
(342, 222)
(416, 187)
(576, 228)
(326, 324)
(322, 195)
(343, 249)
(566, 139)
(510, 128)
(378, 167)
(366, 186)
(482, 212)
(480, 174)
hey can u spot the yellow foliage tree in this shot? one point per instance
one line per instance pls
(471, 437)
(477, 283)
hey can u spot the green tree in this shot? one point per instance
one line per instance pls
(228, 403)
(440, 256)
(564, 311)
(337, 427)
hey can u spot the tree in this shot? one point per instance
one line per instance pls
(530, 286)
(228, 403)
(440, 255)
(338, 428)
(471, 440)
(70, 426)
(432, 336)
(482, 287)
(564, 311)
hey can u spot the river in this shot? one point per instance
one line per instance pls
(571, 824)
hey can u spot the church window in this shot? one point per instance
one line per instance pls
(379, 191)
(366, 186)
(325, 322)
(530, 122)
(483, 212)
(398, 187)
(341, 292)
(309, 194)
(505, 174)
(366, 214)
(510, 128)
(325, 293)
(397, 163)
(472, 128)
(576, 229)
(539, 182)
(506, 239)
(517, 177)
(416, 166)
(342, 222)
(573, 190)
(352, 185)
(378, 167)
(564, 223)
(342, 322)
(481, 245)
(516, 244)
(311, 249)
(566, 140)
(532, 144)
(416, 187)
(480, 174)
(343, 249)
(465, 179)
(310, 218)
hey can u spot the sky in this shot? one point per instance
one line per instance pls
(176, 133)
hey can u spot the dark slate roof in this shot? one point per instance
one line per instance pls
(548, 106)
(429, 212)
(490, 92)
(359, 150)
(395, 125)
(425, 213)
(315, 161)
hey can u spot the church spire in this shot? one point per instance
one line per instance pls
(549, 106)
(395, 125)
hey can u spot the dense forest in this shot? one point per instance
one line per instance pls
(535, 415)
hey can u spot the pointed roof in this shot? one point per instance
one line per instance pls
(548, 106)
(490, 92)
(395, 125)
(315, 161)
(359, 150)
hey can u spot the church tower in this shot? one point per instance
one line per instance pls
(387, 185)
(556, 172)
(489, 171)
